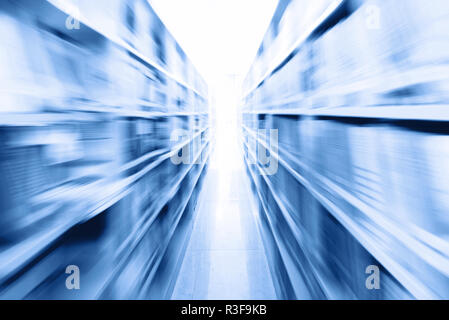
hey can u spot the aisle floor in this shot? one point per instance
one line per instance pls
(225, 258)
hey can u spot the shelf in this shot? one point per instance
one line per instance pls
(323, 288)
(374, 86)
(68, 9)
(144, 224)
(416, 240)
(173, 227)
(307, 33)
(14, 258)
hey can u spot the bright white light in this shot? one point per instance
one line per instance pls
(219, 36)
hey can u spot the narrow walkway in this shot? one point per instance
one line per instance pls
(225, 258)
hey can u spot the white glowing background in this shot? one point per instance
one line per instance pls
(221, 37)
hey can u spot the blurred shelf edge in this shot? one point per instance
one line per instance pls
(83, 114)
(69, 10)
(376, 86)
(397, 112)
(334, 6)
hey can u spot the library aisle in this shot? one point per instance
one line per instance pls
(225, 258)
